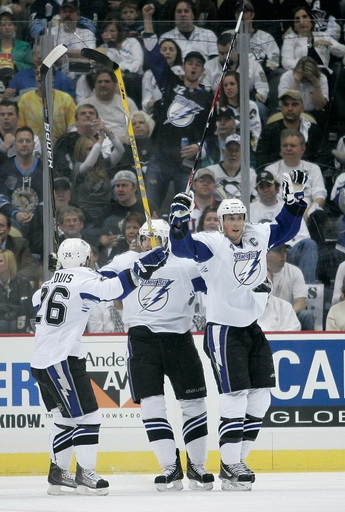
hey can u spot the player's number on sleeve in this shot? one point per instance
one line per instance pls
(55, 311)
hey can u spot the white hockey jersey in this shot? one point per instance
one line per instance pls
(232, 273)
(64, 305)
(163, 303)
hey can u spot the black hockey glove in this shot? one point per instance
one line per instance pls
(293, 185)
(53, 263)
(181, 208)
(265, 287)
(144, 267)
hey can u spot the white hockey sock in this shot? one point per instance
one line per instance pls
(61, 445)
(194, 429)
(85, 440)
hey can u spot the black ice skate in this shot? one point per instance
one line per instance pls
(89, 482)
(236, 477)
(60, 481)
(199, 479)
(171, 475)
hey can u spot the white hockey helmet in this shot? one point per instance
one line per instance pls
(159, 228)
(230, 207)
(73, 252)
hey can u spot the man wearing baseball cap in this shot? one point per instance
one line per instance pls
(292, 116)
(204, 186)
(227, 173)
(302, 250)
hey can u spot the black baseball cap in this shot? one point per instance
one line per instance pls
(225, 113)
(265, 177)
(74, 4)
(62, 183)
(195, 55)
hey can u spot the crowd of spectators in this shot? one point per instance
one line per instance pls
(172, 55)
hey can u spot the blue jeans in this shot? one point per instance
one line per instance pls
(306, 320)
(304, 255)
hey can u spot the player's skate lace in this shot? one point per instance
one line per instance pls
(89, 478)
(198, 472)
(247, 468)
(59, 476)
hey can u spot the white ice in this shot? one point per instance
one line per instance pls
(272, 492)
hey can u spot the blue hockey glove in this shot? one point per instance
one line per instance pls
(293, 185)
(181, 208)
(144, 267)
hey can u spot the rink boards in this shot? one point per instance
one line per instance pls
(303, 431)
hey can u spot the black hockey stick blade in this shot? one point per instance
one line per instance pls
(52, 57)
(99, 57)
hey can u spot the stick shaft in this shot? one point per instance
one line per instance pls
(214, 101)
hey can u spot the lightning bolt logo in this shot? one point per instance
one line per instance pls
(182, 111)
(246, 270)
(62, 380)
(153, 295)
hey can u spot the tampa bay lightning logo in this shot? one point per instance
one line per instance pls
(154, 294)
(182, 111)
(247, 267)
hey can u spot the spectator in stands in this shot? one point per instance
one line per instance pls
(25, 80)
(258, 86)
(62, 193)
(301, 40)
(73, 33)
(279, 314)
(289, 284)
(336, 315)
(31, 110)
(130, 16)
(107, 100)
(70, 221)
(189, 36)
(115, 240)
(206, 14)
(9, 120)
(229, 98)
(16, 309)
(208, 220)
(143, 126)
(262, 45)
(338, 283)
(306, 78)
(338, 197)
(183, 115)
(292, 144)
(151, 94)
(227, 173)
(204, 187)
(127, 52)
(42, 11)
(226, 125)
(302, 251)
(21, 186)
(15, 54)
(91, 178)
(292, 110)
(87, 123)
(125, 187)
(19, 246)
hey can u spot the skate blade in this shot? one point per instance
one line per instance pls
(228, 485)
(198, 486)
(59, 490)
(84, 490)
(176, 485)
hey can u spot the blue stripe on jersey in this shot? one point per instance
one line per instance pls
(187, 247)
(61, 377)
(216, 339)
(107, 273)
(286, 228)
(127, 283)
(199, 284)
(89, 296)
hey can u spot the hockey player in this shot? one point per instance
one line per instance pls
(59, 366)
(234, 266)
(159, 317)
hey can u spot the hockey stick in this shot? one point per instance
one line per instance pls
(215, 98)
(103, 59)
(47, 64)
